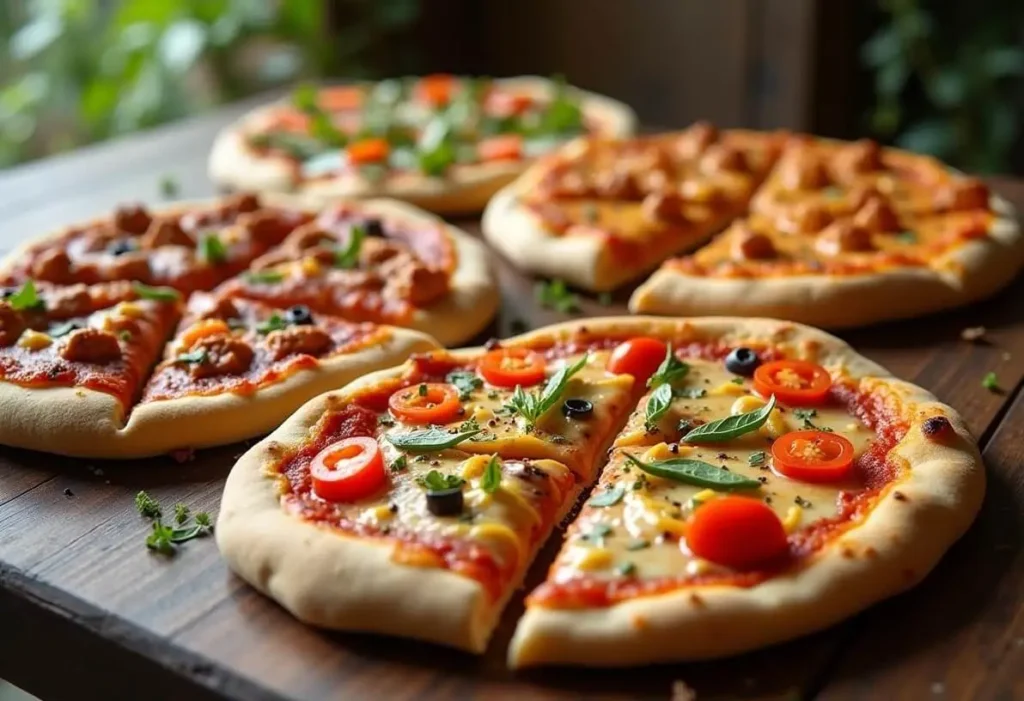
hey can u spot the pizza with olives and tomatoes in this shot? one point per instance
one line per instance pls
(442, 142)
(756, 480)
(601, 212)
(845, 234)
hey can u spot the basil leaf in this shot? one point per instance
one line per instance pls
(464, 381)
(212, 249)
(670, 370)
(435, 481)
(695, 472)
(608, 497)
(491, 479)
(264, 277)
(196, 357)
(273, 323)
(731, 426)
(429, 440)
(531, 406)
(348, 257)
(657, 404)
(26, 298)
(159, 294)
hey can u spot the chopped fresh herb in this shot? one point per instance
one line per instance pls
(348, 257)
(532, 406)
(181, 513)
(907, 237)
(597, 532)
(275, 322)
(563, 114)
(196, 357)
(125, 336)
(422, 390)
(608, 497)
(692, 393)
(169, 186)
(398, 464)
(757, 458)
(203, 519)
(605, 299)
(638, 544)
(805, 416)
(491, 479)
(304, 97)
(493, 394)
(470, 424)
(265, 277)
(161, 539)
(990, 382)
(435, 481)
(657, 404)
(695, 472)
(429, 440)
(323, 130)
(26, 298)
(64, 329)
(626, 569)
(158, 294)
(212, 249)
(554, 294)
(464, 381)
(671, 370)
(298, 146)
(737, 380)
(684, 427)
(731, 426)
(147, 505)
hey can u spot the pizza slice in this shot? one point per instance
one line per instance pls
(73, 360)
(755, 495)
(598, 213)
(235, 368)
(844, 234)
(187, 247)
(381, 261)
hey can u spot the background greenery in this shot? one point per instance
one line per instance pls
(947, 79)
(78, 71)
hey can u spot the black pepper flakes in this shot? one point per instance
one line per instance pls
(801, 502)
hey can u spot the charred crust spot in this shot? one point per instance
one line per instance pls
(847, 552)
(899, 496)
(696, 600)
(937, 428)
(870, 552)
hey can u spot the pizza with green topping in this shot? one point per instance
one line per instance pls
(443, 142)
(739, 482)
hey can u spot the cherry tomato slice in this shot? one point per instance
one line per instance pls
(340, 98)
(793, 381)
(348, 470)
(436, 90)
(507, 147)
(508, 367)
(638, 357)
(368, 151)
(430, 403)
(737, 532)
(813, 456)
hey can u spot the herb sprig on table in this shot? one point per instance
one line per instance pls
(165, 537)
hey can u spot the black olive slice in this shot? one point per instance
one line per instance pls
(742, 361)
(445, 502)
(298, 315)
(577, 408)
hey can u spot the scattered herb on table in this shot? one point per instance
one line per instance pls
(164, 537)
(990, 382)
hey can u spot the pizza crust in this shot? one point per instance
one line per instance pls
(976, 270)
(465, 190)
(918, 518)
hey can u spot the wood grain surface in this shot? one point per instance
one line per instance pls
(87, 612)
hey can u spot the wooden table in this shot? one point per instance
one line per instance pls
(87, 612)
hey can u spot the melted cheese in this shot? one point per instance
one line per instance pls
(34, 340)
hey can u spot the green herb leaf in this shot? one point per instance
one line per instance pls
(756, 459)
(212, 249)
(491, 479)
(322, 128)
(692, 393)
(805, 416)
(626, 569)
(435, 481)
(181, 513)
(990, 382)
(466, 382)
(554, 294)
(608, 497)
(26, 298)
(597, 532)
(275, 322)
(147, 505)
(737, 380)
(125, 335)
(532, 406)
(161, 539)
(398, 464)
(348, 257)
(638, 544)
(422, 390)
(196, 357)
(429, 440)
(64, 329)
(264, 277)
(657, 404)
(157, 294)
(563, 114)
(731, 426)
(671, 370)
(203, 519)
(695, 472)
(298, 146)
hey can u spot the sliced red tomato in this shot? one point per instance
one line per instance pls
(813, 456)
(429, 403)
(508, 367)
(506, 104)
(368, 151)
(793, 381)
(737, 532)
(638, 357)
(508, 147)
(349, 470)
(436, 90)
(289, 119)
(340, 98)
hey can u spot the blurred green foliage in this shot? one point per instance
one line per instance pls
(78, 71)
(948, 78)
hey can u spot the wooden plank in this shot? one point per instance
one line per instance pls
(783, 34)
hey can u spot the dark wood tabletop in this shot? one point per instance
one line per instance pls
(86, 611)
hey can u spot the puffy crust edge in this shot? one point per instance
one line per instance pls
(233, 164)
(974, 271)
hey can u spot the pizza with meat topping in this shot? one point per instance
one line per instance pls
(442, 142)
(844, 234)
(756, 480)
(601, 212)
